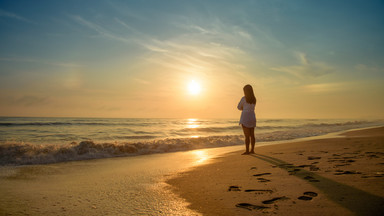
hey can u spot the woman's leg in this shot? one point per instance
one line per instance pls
(253, 140)
(247, 134)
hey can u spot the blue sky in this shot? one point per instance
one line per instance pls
(305, 59)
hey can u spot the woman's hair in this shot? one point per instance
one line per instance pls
(248, 93)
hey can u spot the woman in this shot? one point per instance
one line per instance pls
(248, 118)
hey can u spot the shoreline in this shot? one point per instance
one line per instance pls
(58, 140)
(335, 175)
(110, 186)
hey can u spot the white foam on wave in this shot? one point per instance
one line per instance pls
(19, 153)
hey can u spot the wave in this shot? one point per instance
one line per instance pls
(207, 129)
(9, 124)
(136, 137)
(272, 120)
(347, 123)
(20, 153)
(25, 154)
(16, 152)
(270, 128)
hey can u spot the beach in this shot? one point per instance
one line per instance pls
(330, 176)
(116, 107)
(338, 175)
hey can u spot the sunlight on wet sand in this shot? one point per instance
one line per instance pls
(116, 186)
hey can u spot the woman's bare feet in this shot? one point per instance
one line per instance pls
(245, 153)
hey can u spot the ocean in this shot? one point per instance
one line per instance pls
(31, 140)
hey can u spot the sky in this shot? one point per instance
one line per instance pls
(137, 58)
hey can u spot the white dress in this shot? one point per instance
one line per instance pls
(248, 117)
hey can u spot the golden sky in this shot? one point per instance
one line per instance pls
(305, 59)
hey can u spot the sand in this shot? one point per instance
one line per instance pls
(114, 186)
(334, 176)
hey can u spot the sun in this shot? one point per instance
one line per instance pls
(194, 87)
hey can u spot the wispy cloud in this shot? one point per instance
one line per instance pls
(326, 87)
(100, 29)
(201, 46)
(307, 68)
(195, 48)
(11, 15)
(366, 68)
(41, 61)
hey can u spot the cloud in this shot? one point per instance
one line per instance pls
(213, 39)
(366, 68)
(4, 13)
(306, 69)
(194, 48)
(40, 61)
(99, 29)
(142, 81)
(204, 46)
(326, 87)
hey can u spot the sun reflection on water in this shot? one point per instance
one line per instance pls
(201, 156)
(192, 123)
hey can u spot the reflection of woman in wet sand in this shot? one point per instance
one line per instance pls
(248, 118)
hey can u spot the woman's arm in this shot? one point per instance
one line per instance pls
(241, 103)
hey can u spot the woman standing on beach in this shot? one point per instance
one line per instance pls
(248, 118)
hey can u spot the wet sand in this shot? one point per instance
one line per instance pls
(115, 186)
(332, 176)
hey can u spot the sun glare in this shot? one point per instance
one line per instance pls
(194, 88)
(201, 156)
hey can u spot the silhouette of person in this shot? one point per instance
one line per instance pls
(247, 106)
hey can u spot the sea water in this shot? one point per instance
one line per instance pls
(48, 140)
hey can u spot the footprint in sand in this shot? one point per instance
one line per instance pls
(261, 174)
(340, 165)
(311, 179)
(263, 180)
(271, 201)
(303, 166)
(311, 194)
(308, 196)
(305, 198)
(313, 158)
(293, 171)
(376, 175)
(259, 191)
(341, 172)
(314, 168)
(251, 207)
(234, 188)
(374, 154)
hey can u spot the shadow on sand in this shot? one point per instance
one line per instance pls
(357, 201)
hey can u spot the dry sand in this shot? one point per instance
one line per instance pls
(333, 176)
